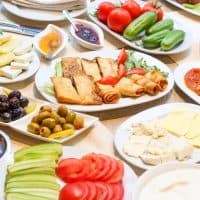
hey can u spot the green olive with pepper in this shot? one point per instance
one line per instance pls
(54, 115)
(45, 108)
(49, 122)
(43, 115)
(62, 120)
(78, 122)
(57, 128)
(34, 128)
(45, 131)
(62, 111)
(68, 126)
(70, 117)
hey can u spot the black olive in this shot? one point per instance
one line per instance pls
(4, 106)
(6, 117)
(24, 102)
(14, 102)
(17, 113)
(3, 98)
(14, 93)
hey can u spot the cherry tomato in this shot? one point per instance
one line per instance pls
(150, 6)
(119, 19)
(119, 191)
(139, 71)
(133, 8)
(109, 80)
(104, 10)
(119, 173)
(122, 57)
(74, 191)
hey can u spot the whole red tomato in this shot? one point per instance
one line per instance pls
(104, 10)
(150, 6)
(119, 19)
(133, 8)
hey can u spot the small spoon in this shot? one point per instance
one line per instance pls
(69, 18)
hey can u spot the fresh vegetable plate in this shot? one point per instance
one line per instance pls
(136, 44)
(44, 77)
(178, 5)
(158, 112)
(73, 154)
(21, 124)
(179, 79)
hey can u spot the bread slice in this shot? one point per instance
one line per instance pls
(65, 91)
(91, 68)
(108, 66)
(86, 90)
(71, 66)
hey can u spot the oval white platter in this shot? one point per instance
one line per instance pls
(39, 15)
(122, 134)
(178, 5)
(34, 66)
(20, 125)
(129, 178)
(177, 25)
(179, 74)
(157, 171)
(44, 74)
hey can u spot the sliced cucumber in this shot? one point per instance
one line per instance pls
(21, 196)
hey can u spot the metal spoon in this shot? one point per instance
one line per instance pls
(69, 18)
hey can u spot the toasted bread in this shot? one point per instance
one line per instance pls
(108, 66)
(91, 68)
(71, 66)
(86, 90)
(65, 91)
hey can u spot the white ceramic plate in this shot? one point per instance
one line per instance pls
(177, 25)
(157, 171)
(39, 15)
(34, 66)
(44, 74)
(21, 124)
(178, 5)
(121, 135)
(179, 74)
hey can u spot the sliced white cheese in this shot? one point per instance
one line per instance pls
(151, 159)
(26, 58)
(4, 38)
(9, 73)
(22, 66)
(23, 49)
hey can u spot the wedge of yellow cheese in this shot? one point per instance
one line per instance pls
(9, 46)
(6, 58)
(194, 130)
(195, 141)
(178, 122)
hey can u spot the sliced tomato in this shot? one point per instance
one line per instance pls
(139, 71)
(121, 71)
(110, 192)
(113, 168)
(72, 170)
(118, 191)
(92, 190)
(122, 57)
(102, 191)
(109, 80)
(95, 165)
(74, 191)
(119, 173)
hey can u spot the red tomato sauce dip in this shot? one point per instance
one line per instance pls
(192, 80)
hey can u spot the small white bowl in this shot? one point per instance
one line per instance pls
(48, 29)
(84, 43)
(4, 161)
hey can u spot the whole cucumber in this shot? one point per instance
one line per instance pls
(172, 39)
(161, 25)
(154, 40)
(140, 24)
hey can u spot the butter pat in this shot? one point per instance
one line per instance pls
(9, 73)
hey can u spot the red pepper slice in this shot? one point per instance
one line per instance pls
(121, 71)
(122, 57)
(139, 71)
(109, 80)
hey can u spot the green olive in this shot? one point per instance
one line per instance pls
(45, 108)
(55, 116)
(45, 131)
(57, 128)
(62, 120)
(78, 122)
(35, 119)
(70, 117)
(43, 115)
(34, 128)
(62, 111)
(67, 126)
(49, 122)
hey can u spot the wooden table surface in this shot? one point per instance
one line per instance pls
(101, 136)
